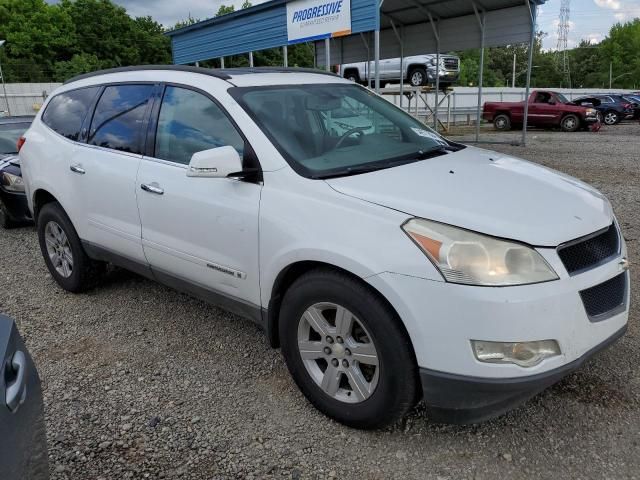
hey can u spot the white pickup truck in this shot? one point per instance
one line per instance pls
(417, 70)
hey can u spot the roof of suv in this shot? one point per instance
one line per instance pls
(228, 74)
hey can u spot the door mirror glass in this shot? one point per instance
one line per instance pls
(215, 163)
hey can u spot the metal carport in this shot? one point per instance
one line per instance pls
(398, 28)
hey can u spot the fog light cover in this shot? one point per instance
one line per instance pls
(523, 354)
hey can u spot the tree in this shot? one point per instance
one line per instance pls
(223, 10)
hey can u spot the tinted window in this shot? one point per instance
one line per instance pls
(117, 121)
(65, 112)
(9, 135)
(190, 122)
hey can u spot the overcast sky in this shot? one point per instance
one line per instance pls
(590, 19)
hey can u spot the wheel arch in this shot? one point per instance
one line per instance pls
(289, 274)
(40, 198)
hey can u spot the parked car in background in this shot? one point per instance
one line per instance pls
(634, 100)
(387, 262)
(14, 209)
(23, 441)
(612, 109)
(417, 70)
(546, 109)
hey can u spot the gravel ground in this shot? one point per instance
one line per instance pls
(143, 382)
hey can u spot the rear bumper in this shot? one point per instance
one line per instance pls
(462, 399)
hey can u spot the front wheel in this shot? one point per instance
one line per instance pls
(418, 77)
(347, 350)
(570, 123)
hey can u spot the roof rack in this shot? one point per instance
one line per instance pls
(250, 70)
(139, 68)
(222, 73)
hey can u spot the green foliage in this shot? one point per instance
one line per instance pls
(224, 9)
(56, 41)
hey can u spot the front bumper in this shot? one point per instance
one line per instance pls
(460, 399)
(16, 205)
(442, 318)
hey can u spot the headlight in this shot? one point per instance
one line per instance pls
(523, 354)
(591, 112)
(475, 259)
(12, 183)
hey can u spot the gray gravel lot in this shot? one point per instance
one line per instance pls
(143, 382)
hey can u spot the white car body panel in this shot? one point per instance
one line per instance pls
(353, 223)
(489, 193)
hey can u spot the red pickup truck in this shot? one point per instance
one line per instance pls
(546, 109)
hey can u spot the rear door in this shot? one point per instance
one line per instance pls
(23, 443)
(104, 170)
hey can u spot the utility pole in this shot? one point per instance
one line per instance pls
(562, 53)
(513, 77)
(610, 75)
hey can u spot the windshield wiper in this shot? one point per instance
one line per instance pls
(394, 162)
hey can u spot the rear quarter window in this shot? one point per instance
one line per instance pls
(66, 111)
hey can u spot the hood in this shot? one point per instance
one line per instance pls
(489, 193)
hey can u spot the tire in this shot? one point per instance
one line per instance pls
(74, 271)
(352, 75)
(612, 118)
(502, 122)
(387, 391)
(418, 77)
(5, 217)
(570, 123)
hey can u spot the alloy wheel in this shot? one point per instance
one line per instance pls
(417, 79)
(611, 118)
(338, 352)
(59, 249)
(570, 123)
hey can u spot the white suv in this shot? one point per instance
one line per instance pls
(388, 263)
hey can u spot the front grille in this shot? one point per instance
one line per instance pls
(591, 251)
(606, 299)
(451, 63)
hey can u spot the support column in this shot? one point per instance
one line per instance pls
(482, 22)
(376, 53)
(221, 62)
(533, 13)
(251, 59)
(399, 38)
(327, 55)
(285, 56)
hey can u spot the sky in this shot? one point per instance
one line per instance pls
(589, 19)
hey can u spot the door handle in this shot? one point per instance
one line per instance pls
(151, 188)
(77, 169)
(17, 390)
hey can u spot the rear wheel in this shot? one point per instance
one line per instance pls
(570, 123)
(62, 250)
(352, 75)
(502, 122)
(347, 351)
(611, 117)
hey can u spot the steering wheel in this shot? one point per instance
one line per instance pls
(350, 132)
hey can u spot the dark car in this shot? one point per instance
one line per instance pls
(23, 442)
(634, 100)
(612, 109)
(14, 210)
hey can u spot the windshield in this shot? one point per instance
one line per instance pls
(9, 135)
(337, 129)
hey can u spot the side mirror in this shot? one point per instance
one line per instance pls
(552, 102)
(215, 163)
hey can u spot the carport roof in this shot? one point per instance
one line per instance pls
(409, 12)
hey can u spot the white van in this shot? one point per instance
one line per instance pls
(388, 263)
